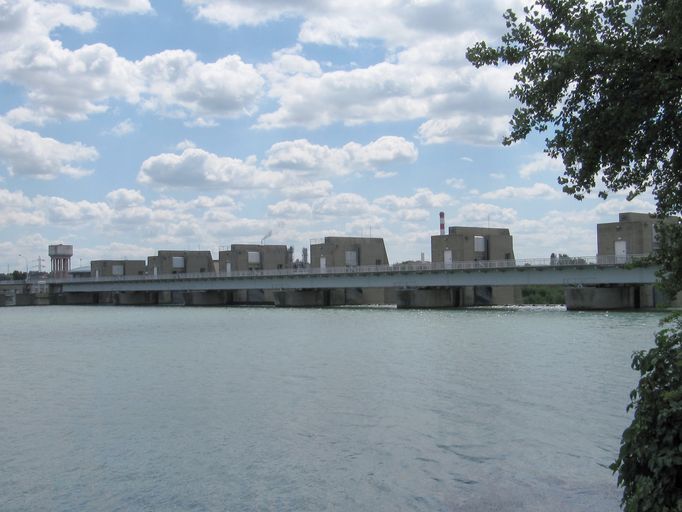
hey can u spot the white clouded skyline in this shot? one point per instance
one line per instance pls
(128, 126)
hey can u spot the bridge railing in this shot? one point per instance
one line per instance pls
(478, 265)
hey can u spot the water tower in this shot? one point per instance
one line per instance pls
(60, 257)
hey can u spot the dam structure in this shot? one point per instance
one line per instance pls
(405, 285)
(470, 266)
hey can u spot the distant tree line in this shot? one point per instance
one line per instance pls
(543, 295)
(565, 259)
(17, 275)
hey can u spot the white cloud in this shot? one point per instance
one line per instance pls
(67, 84)
(343, 205)
(123, 6)
(16, 209)
(26, 153)
(422, 198)
(288, 208)
(123, 128)
(235, 13)
(481, 214)
(458, 102)
(301, 155)
(197, 168)
(541, 163)
(62, 83)
(428, 78)
(456, 183)
(538, 190)
(178, 84)
(307, 189)
(63, 211)
(412, 215)
(396, 22)
(27, 20)
(115, 250)
(124, 198)
(185, 144)
(468, 128)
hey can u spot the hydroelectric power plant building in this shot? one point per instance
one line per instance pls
(476, 244)
(470, 266)
(634, 235)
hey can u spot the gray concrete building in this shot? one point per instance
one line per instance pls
(472, 244)
(476, 244)
(255, 257)
(633, 234)
(110, 268)
(343, 251)
(180, 262)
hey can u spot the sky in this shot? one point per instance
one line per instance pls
(132, 126)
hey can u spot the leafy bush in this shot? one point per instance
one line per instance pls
(649, 464)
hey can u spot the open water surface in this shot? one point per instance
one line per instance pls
(231, 409)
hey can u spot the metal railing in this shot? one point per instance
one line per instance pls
(464, 266)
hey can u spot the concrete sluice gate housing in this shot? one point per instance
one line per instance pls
(633, 234)
(469, 244)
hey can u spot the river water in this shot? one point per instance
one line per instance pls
(153, 408)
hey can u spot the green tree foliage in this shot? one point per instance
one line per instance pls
(651, 451)
(18, 275)
(543, 294)
(603, 80)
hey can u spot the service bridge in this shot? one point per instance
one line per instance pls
(582, 271)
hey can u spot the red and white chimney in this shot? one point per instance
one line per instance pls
(442, 223)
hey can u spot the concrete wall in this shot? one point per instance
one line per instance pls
(369, 251)
(271, 257)
(595, 298)
(208, 298)
(454, 297)
(636, 229)
(253, 297)
(136, 298)
(460, 241)
(301, 298)
(195, 262)
(618, 297)
(426, 298)
(105, 268)
(224, 259)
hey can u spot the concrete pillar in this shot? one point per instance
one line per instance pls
(207, 298)
(80, 298)
(302, 298)
(588, 298)
(136, 298)
(427, 298)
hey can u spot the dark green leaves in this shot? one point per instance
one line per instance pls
(649, 464)
(605, 78)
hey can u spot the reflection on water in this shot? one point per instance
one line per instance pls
(504, 409)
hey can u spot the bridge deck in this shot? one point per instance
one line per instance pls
(572, 271)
